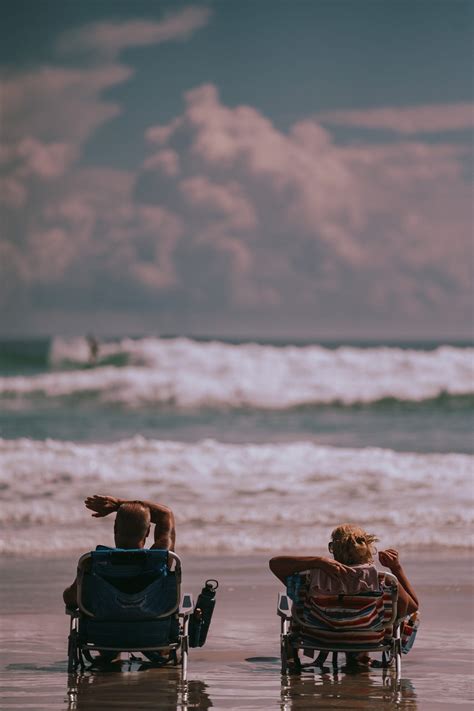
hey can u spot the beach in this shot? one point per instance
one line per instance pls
(236, 285)
(260, 449)
(239, 665)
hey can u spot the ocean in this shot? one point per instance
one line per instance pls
(257, 446)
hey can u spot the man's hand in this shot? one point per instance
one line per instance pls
(102, 505)
(335, 570)
(389, 558)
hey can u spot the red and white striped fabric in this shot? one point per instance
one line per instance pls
(343, 622)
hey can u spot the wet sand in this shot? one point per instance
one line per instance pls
(239, 666)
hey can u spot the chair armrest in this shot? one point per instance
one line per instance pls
(284, 606)
(393, 582)
(186, 606)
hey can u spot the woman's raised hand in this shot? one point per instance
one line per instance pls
(389, 558)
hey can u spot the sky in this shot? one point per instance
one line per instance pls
(246, 168)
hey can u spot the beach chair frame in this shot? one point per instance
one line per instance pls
(391, 648)
(79, 650)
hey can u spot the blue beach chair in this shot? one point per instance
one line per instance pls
(324, 624)
(129, 601)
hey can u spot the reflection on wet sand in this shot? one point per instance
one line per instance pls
(135, 688)
(128, 687)
(333, 689)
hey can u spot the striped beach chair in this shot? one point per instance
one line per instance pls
(323, 624)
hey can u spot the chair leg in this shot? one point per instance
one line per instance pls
(184, 657)
(290, 660)
(296, 660)
(284, 653)
(334, 659)
(397, 651)
(184, 644)
(72, 652)
(398, 661)
(320, 659)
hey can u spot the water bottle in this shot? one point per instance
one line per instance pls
(203, 613)
(195, 625)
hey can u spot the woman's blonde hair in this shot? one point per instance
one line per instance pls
(352, 545)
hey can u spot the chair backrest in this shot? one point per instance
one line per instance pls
(363, 619)
(117, 584)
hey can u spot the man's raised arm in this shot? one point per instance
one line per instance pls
(161, 515)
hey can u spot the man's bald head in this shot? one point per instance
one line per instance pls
(132, 525)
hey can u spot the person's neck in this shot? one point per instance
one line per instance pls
(128, 545)
(365, 562)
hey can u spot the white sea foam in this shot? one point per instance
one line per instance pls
(236, 498)
(187, 373)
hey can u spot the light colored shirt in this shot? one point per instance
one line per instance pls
(365, 579)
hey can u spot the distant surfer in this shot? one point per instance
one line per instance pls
(93, 344)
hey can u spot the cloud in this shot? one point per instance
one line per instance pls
(61, 218)
(12, 192)
(227, 213)
(107, 39)
(227, 200)
(435, 118)
(54, 103)
(50, 252)
(45, 160)
(161, 231)
(166, 161)
(389, 223)
(302, 171)
(91, 231)
(50, 112)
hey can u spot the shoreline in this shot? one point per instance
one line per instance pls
(429, 553)
(239, 666)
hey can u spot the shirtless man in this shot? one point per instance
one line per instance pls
(131, 527)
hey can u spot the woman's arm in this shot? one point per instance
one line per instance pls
(282, 566)
(408, 601)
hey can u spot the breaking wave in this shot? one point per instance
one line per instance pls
(189, 374)
(235, 498)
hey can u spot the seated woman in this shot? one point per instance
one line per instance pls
(352, 569)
